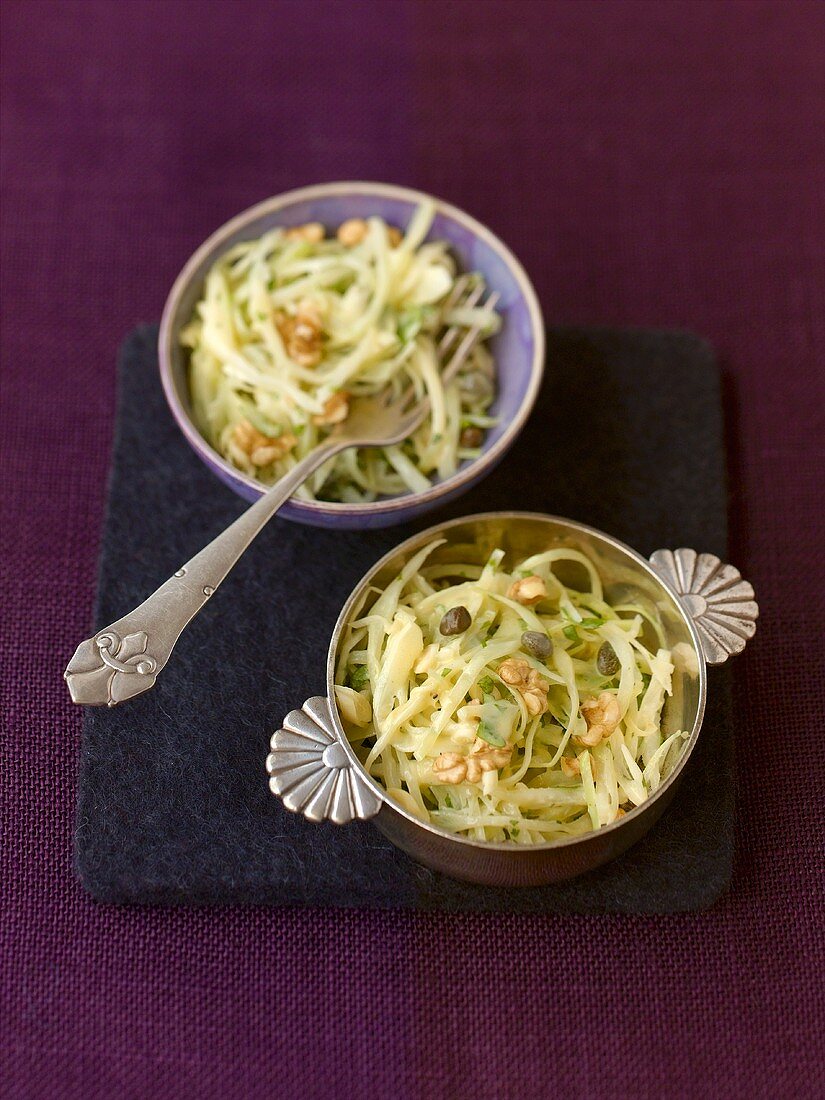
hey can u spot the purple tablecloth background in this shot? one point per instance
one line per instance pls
(651, 164)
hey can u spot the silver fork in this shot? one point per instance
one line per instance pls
(124, 660)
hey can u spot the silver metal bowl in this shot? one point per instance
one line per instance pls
(702, 604)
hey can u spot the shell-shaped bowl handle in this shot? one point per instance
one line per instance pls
(719, 602)
(311, 772)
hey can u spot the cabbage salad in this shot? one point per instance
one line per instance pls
(507, 706)
(295, 324)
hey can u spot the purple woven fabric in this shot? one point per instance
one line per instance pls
(651, 164)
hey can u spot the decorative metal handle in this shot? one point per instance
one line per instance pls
(124, 659)
(719, 602)
(310, 771)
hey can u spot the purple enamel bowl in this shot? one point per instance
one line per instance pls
(518, 348)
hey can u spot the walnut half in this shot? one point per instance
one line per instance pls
(302, 334)
(249, 447)
(602, 716)
(532, 687)
(570, 766)
(336, 410)
(452, 767)
(352, 232)
(311, 231)
(528, 590)
(486, 758)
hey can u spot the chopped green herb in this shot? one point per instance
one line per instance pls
(445, 672)
(491, 736)
(589, 624)
(486, 684)
(497, 720)
(358, 677)
(409, 323)
(571, 633)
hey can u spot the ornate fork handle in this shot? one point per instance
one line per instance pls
(124, 659)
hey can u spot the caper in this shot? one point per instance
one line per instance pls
(607, 662)
(537, 644)
(456, 621)
(471, 437)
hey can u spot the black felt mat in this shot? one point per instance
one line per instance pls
(174, 805)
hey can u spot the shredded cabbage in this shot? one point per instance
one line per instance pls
(475, 733)
(294, 324)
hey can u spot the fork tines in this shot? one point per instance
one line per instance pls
(461, 298)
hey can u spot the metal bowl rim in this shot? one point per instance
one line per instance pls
(464, 476)
(510, 846)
